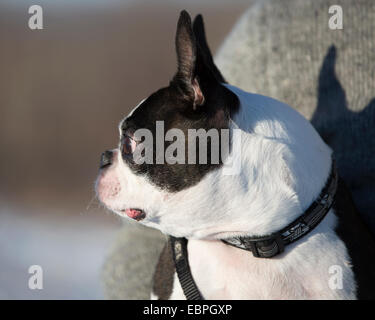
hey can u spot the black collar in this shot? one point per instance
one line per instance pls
(181, 262)
(262, 247)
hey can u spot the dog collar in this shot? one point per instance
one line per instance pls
(262, 247)
(181, 262)
(271, 245)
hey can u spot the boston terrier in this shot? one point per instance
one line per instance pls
(271, 219)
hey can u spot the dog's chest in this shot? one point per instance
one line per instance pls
(222, 272)
(305, 272)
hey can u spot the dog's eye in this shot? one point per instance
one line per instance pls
(128, 145)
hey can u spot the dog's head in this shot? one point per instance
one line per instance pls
(156, 191)
(170, 170)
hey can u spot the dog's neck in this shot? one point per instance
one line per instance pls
(284, 159)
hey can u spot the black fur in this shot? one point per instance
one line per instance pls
(204, 50)
(358, 240)
(175, 105)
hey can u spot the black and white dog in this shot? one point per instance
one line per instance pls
(265, 228)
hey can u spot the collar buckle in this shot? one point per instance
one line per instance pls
(267, 247)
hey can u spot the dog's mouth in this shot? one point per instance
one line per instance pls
(133, 213)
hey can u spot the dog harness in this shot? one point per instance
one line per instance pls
(261, 247)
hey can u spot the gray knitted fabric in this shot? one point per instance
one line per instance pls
(285, 49)
(128, 270)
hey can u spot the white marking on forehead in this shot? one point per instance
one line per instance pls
(130, 113)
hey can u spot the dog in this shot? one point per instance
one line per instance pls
(280, 225)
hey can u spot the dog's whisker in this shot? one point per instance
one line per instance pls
(91, 202)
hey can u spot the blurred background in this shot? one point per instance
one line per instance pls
(63, 90)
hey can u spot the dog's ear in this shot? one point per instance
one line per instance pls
(186, 49)
(203, 48)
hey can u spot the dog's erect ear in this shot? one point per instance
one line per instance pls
(203, 48)
(186, 49)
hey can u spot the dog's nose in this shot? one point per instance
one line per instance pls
(106, 159)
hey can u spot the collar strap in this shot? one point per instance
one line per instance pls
(269, 246)
(181, 262)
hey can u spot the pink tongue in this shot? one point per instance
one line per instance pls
(134, 214)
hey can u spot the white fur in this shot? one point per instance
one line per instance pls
(301, 272)
(284, 166)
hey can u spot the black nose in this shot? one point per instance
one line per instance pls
(106, 159)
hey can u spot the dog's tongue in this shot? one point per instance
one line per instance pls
(135, 214)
